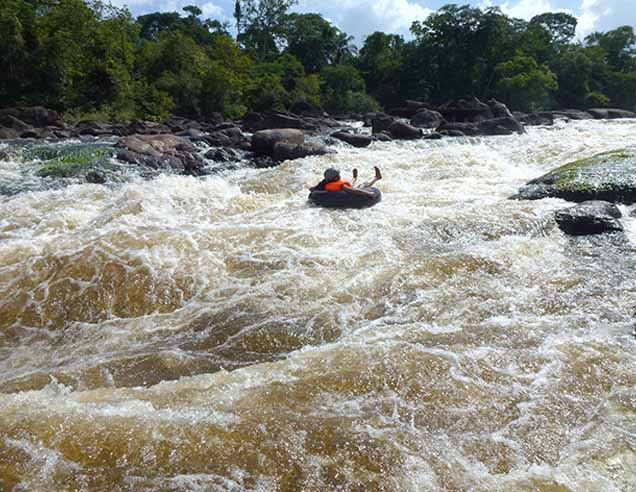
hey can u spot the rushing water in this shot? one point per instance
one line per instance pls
(219, 334)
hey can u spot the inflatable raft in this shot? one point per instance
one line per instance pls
(344, 199)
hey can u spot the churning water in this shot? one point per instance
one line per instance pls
(219, 334)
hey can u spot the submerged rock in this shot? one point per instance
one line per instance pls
(610, 113)
(70, 161)
(591, 217)
(610, 176)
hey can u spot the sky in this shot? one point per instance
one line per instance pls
(362, 17)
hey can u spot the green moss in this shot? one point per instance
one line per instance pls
(64, 162)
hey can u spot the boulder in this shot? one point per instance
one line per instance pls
(466, 111)
(573, 114)
(263, 141)
(94, 128)
(427, 118)
(540, 118)
(381, 122)
(10, 121)
(382, 137)
(367, 119)
(610, 113)
(146, 128)
(286, 151)
(36, 116)
(404, 131)
(450, 133)
(610, 176)
(95, 177)
(269, 121)
(163, 151)
(436, 136)
(222, 155)
(499, 109)
(8, 134)
(500, 126)
(354, 139)
(465, 128)
(229, 137)
(590, 217)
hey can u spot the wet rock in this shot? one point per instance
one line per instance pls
(285, 151)
(8, 134)
(381, 122)
(94, 128)
(590, 217)
(404, 131)
(436, 136)
(223, 155)
(228, 137)
(610, 176)
(95, 177)
(468, 110)
(160, 152)
(499, 109)
(465, 128)
(367, 119)
(426, 118)
(450, 133)
(382, 137)
(10, 121)
(263, 141)
(140, 127)
(541, 118)
(610, 113)
(500, 126)
(69, 161)
(573, 114)
(36, 116)
(353, 139)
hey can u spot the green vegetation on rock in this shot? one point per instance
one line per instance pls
(609, 176)
(65, 162)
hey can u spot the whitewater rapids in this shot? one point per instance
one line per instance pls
(219, 334)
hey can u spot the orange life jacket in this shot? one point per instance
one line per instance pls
(336, 185)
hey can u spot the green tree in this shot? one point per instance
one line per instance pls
(524, 84)
(264, 26)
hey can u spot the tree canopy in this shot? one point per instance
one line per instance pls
(86, 57)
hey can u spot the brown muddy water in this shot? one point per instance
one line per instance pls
(219, 334)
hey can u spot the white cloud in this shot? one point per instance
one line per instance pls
(362, 17)
(211, 10)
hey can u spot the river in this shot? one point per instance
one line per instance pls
(219, 334)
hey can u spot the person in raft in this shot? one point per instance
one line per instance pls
(333, 182)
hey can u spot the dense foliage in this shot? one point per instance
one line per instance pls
(86, 57)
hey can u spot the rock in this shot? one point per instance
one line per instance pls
(450, 133)
(36, 116)
(633, 213)
(465, 128)
(140, 127)
(466, 111)
(263, 141)
(500, 126)
(94, 128)
(404, 131)
(353, 139)
(610, 176)
(222, 155)
(69, 161)
(8, 134)
(95, 177)
(436, 136)
(426, 118)
(401, 112)
(590, 217)
(271, 121)
(499, 109)
(610, 113)
(382, 137)
(573, 114)
(381, 122)
(10, 121)
(286, 151)
(229, 137)
(192, 133)
(541, 118)
(163, 151)
(367, 119)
